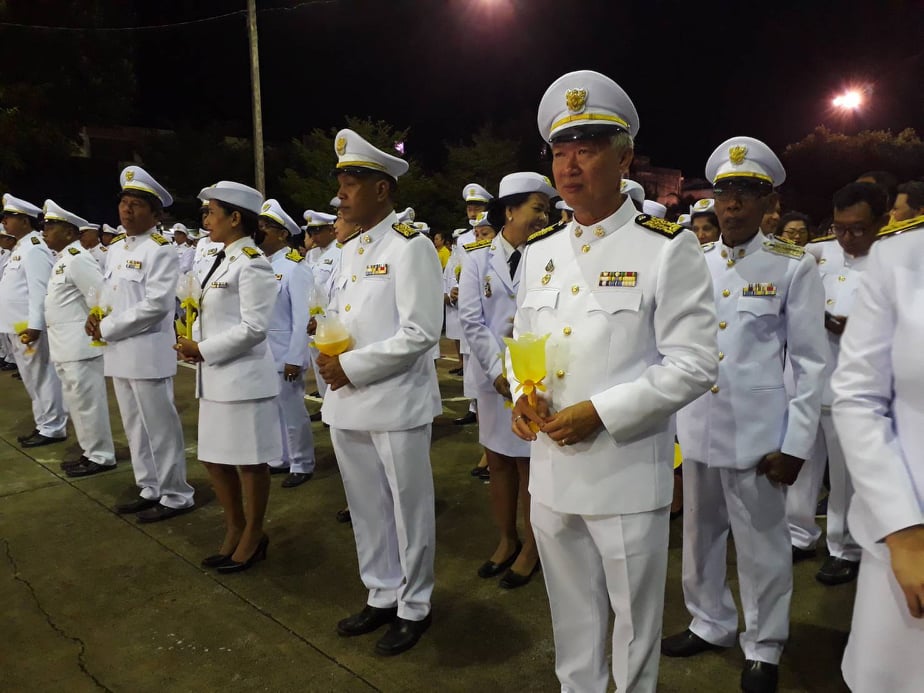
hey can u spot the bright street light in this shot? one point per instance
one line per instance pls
(849, 100)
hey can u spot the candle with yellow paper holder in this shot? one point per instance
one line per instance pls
(331, 336)
(527, 357)
(189, 293)
(19, 328)
(97, 297)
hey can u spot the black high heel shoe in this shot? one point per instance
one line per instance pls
(233, 566)
(215, 560)
(512, 580)
(490, 569)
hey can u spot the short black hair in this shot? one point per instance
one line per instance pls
(914, 189)
(498, 206)
(872, 194)
(887, 181)
(35, 223)
(361, 172)
(248, 218)
(712, 216)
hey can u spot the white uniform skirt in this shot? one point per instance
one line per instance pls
(453, 325)
(494, 427)
(239, 433)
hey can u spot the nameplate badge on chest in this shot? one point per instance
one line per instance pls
(759, 290)
(627, 279)
(211, 251)
(218, 285)
(376, 270)
(133, 264)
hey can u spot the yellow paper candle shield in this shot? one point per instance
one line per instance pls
(527, 357)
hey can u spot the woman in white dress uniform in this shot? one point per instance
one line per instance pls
(487, 304)
(237, 382)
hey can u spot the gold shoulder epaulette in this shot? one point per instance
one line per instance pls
(36, 240)
(251, 252)
(406, 230)
(120, 237)
(901, 227)
(160, 240)
(546, 232)
(783, 248)
(350, 237)
(706, 247)
(73, 251)
(294, 256)
(662, 226)
(822, 239)
(485, 243)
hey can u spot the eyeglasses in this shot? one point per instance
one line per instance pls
(855, 230)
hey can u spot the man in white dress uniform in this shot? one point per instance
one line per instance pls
(627, 302)
(746, 439)
(72, 290)
(22, 302)
(288, 340)
(383, 395)
(323, 259)
(879, 415)
(141, 275)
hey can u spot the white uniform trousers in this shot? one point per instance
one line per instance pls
(886, 644)
(319, 381)
(42, 385)
(802, 497)
(595, 563)
(155, 439)
(5, 352)
(83, 387)
(297, 438)
(840, 543)
(714, 501)
(389, 488)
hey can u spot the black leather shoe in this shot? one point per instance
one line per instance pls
(296, 479)
(402, 636)
(837, 571)
(232, 566)
(17, 374)
(315, 394)
(158, 512)
(369, 619)
(469, 418)
(512, 579)
(491, 569)
(484, 474)
(31, 433)
(686, 644)
(802, 554)
(455, 371)
(7, 366)
(38, 440)
(315, 417)
(88, 468)
(759, 677)
(70, 464)
(279, 470)
(215, 561)
(476, 471)
(135, 506)
(344, 516)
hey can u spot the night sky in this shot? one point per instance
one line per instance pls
(698, 72)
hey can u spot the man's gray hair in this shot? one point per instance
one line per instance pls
(622, 141)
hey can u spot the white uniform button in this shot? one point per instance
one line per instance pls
(347, 307)
(723, 325)
(726, 293)
(559, 374)
(575, 289)
(567, 331)
(714, 389)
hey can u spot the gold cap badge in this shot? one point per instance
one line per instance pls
(266, 206)
(576, 100)
(700, 204)
(737, 154)
(129, 176)
(341, 146)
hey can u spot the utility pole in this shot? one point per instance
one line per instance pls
(258, 164)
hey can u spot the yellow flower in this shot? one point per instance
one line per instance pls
(527, 356)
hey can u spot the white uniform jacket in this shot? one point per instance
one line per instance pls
(24, 282)
(74, 274)
(633, 329)
(141, 276)
(100, 253)
(235, 311)
(185, 257)
(879, 393)
(840, 274)
(324, 263)
(388, 294)
(288, 335)
(770, 305)
(487, 304)
(204, 257)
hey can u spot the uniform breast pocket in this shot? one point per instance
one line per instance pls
(537, 299)
(614, 301)
(760, 306)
